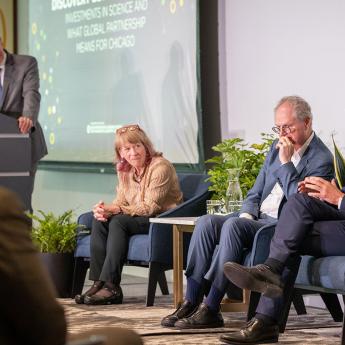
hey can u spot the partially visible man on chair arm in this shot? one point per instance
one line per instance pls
(311, 223)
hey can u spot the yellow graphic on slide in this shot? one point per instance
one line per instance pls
(6, 24)
(52, 138)
(46, 63)
(3, 28)
(173, 4)
(34, 28)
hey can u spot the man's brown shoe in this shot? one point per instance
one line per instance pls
(259, 278)
(255, 332)
(204, 317)
(184, 310)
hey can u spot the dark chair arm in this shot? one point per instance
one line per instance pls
(160, 235)
(86, 219)
(261, 244)
(195, 207)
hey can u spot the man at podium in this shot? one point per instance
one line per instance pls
(20, 101)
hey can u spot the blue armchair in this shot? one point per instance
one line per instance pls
(325, 276)
(154, 250)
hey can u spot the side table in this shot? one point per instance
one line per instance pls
(180, 225)
(187, 224)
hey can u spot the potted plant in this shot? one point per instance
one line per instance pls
(55, 238)
(238, 155)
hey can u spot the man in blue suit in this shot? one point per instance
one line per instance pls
(307, 225)
(297, 153)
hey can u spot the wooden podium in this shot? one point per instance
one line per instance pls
(15, 159)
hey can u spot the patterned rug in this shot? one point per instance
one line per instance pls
(317, 327)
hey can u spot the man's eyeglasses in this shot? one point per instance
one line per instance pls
(283, 129)
(124, 129)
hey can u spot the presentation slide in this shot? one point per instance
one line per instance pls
(104, 64)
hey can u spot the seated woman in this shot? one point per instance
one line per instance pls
(148, 185)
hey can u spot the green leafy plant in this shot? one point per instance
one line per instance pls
(339, 165)
(54, 234)
(235, 153)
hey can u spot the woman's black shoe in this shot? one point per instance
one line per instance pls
(79, 299)
(116, 297)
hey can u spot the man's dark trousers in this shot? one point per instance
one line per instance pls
(306, 226)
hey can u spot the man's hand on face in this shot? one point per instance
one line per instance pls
(24, 124)
(286, 149)
(322, 189)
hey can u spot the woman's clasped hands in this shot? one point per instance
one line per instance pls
(103, 212)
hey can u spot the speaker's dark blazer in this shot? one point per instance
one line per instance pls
(21, 97)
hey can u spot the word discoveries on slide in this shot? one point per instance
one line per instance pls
(97, 25)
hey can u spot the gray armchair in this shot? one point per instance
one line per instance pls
(324, 276)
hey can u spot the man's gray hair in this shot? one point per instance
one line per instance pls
(301, 107)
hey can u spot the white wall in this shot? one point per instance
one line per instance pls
(273, 48)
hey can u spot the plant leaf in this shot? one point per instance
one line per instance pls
(54, 234)
(339, 165)
(235, 153)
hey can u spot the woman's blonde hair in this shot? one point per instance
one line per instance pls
(132, 134)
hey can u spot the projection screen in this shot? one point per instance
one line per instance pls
(104, 64)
